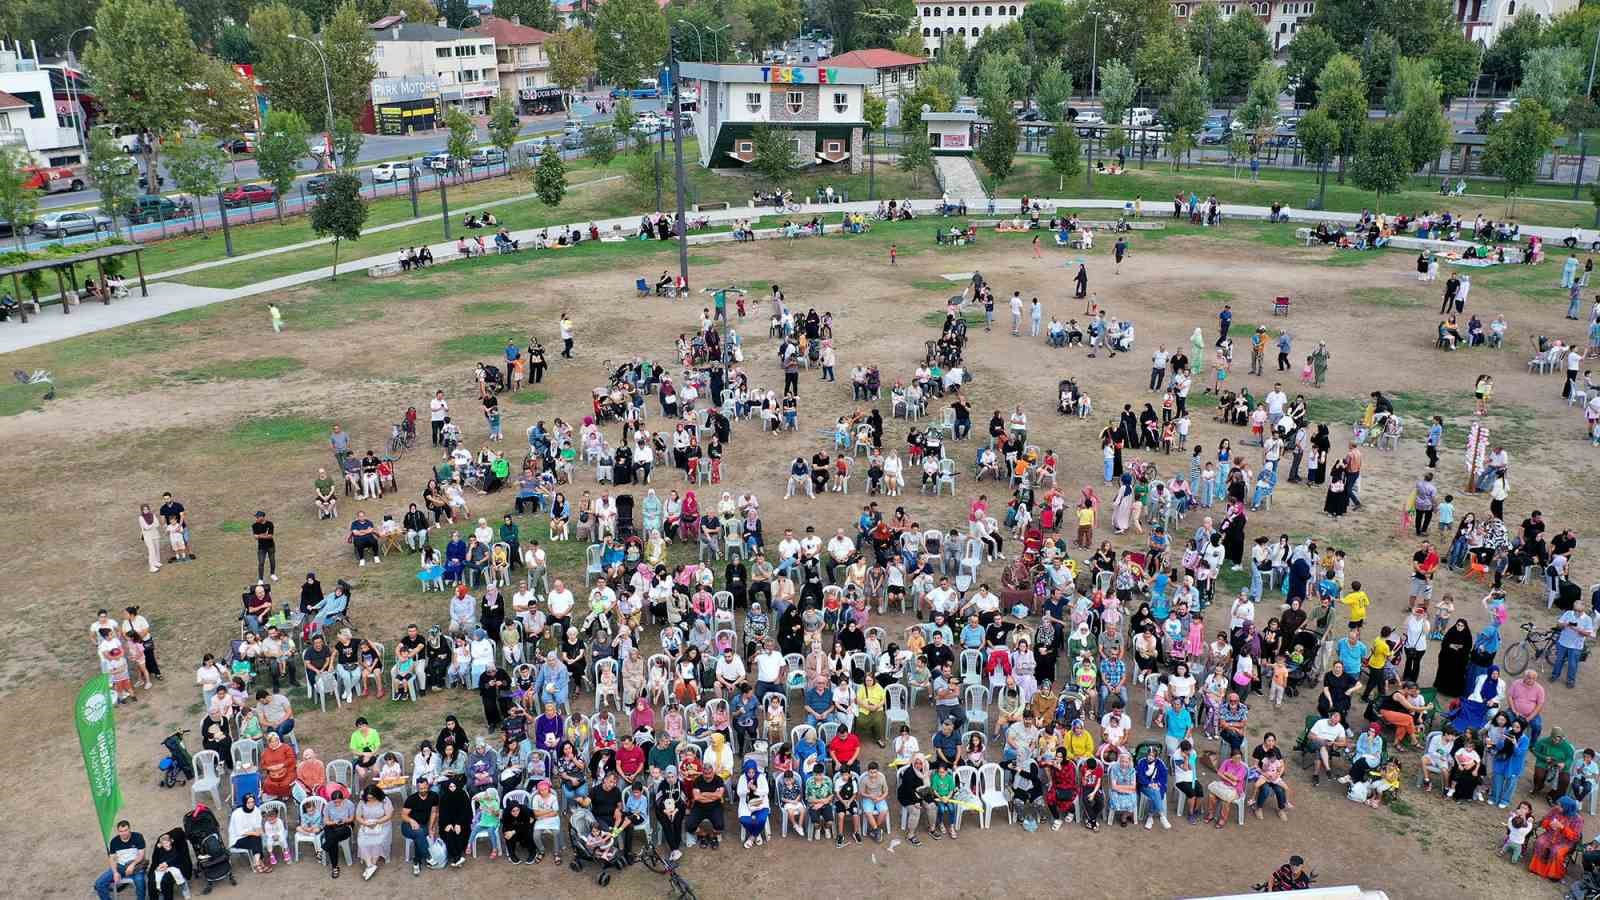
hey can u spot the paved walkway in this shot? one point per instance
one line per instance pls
(169, 296)
(960, 180)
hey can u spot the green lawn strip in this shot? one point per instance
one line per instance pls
(277, 431)
(258, 369)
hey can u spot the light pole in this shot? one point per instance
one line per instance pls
(1583, 134)
(713, 32)
(327, 85)
(698, 42)
(77, 112)
(1094, 59)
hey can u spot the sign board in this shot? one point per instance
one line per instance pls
(957, 140)
(408, 87)
(797, 75)
(94, 713)
(478, 92)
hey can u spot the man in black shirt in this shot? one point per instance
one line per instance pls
(705, 813)
(127, 863)
(605, 802)
(317, 659)
(938, 653)
(266, 546)
(419, 820)
(998, 631)
(172, 511)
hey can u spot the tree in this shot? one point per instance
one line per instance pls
(117, 182)
(234, 45)
(1503, 60)
(1310, 50)
(1344, 97)
(874, 111)
(1117, 90)
(1457, 61)
(622, 117)
(49, 22)
(18, 205)
(998, 149)
(195, 164)
(1383, 161)
(279, 151)
(877, 23)
(1007, 39)
(504, 124)
(290, 70)
(222, 101)
(571, 55)
(646, 171)
(349, 44)
(532, 13)
(1065, 152)
(1046, 26)
(630, 41)
(1378, 58)
(459, 142)
(1237, 51)
(915, 156)
(776, 158)
(1421, 111)
(1319, 139)
(144, 64)
(1552, 76)
(1516, 146)
(600, 145)
(421, 12)
(943, 80)
(1416, 23)
(1000, 81)
(769, 22)
(1054, 90)
(1185, 111)
(339, 213)
(1163, 58)
(457, 14)
(1259, 115)
(347, 141)
(550, 178)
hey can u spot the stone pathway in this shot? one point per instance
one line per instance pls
(960, 180)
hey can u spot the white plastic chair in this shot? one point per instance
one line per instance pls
(947, 476)
(207, 776)
(601, 690)
(318, 688)
(897, 711)
(796, 679)
(827, 731)
(592, 565)
(300, 837)
(976, 701)
(971, 663)
(245, 751)
(992, 793)
(966, 781)
(724, 617)
(342, 771)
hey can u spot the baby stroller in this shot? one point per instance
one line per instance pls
(493, 377)
(577, 836)
(1067, 397)
(1303, 653)
(624, 515)
(211, 863)
(178, 767)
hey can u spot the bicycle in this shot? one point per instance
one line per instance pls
(662, 865)
(1531, 649)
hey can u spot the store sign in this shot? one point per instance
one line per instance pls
(956, 141)
(409, 87)
(469, 93)
(797, 75)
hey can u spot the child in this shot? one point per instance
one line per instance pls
(180, 547)
(391, 774)
(893, 252)
(1446, 513)
(274, 835)
(277, 317)
(1518, 826)
(601, 843)
(1444, 609)
(1306, 375)
(1280, 681)
(311, 822)
(487, 807)
(1183, 430)
(1583, 780)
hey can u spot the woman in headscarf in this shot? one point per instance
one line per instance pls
(170, 865)
(277, 767)
(1337, 501)
(455, 821)
(1485, 647)
(1559, 831)
(311, 773)
(1122, 507)
(1454, 652)
(216, 733)
(791, 631)
(516, 830)
(754, 805)
(549, 728)
(1198, 357)
(652, 510)
(1479, 703)
(1233, 535)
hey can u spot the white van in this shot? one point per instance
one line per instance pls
(1141, 117)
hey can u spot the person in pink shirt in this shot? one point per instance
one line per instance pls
(1526, 696)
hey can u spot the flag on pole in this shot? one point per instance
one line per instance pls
(95, 714)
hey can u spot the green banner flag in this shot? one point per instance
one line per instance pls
(95, 713)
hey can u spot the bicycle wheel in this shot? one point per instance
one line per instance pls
(682, 887)
(652, 861)
(1516, 658)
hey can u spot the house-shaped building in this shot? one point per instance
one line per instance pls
(818, 107)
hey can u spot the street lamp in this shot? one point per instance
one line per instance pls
(72, 91)
(698, 42)
(327, 85)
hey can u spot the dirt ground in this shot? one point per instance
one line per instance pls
(80, 468)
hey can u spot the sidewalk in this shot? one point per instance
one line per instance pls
(169, 297)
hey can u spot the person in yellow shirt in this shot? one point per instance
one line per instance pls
(871, 700)
(1358, 601)
(1382, 649)
(1085, 525)
(1079, 742)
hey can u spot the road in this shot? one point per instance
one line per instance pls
(374, 149)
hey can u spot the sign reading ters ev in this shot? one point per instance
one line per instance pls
(795, 75)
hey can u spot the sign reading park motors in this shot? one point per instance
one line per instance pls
(797, 75)
(409, 87)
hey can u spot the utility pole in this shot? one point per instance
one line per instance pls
(411, 182)
(677, 152)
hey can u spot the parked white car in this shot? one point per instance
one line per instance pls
(390, 171)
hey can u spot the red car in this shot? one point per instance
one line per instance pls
(249, 195)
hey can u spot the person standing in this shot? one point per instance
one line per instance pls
(150, 532)
(277, 317)
(1258, 351)
(513, 355)
(1119, 250)
(1416, 642)
(1577, 626)
(1427, 495)
(1016, 313)
(566, 336)
(266, 546)
(136, 628)
(1035, 313)
(1435, 439)
(1285, 344)
(1224, 322)
(1574, 362)
(438, 411)
(1319, 364)
(172, 512)
(1452, 285)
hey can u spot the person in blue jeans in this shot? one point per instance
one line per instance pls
(126, 854)
(1509, 759)
(1577, 626)
(419, 820)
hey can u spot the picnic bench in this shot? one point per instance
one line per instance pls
(944, 238)
(711, 205)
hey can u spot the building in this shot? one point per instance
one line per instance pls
(951, 133)
(462, 65)
(38, 112)
(1282, 18)
(523, 66)
(967, 21)
(818, 107)
(1483, 20)
(897, 72)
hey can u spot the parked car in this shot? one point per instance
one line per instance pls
(1087, 121)
(250, 195)
(1216, 130)
(572, 140)
(156, 208)
(316, 185)
(439, 162)
(390, 171)
(61, 224)
(488, 156)
(1141, 117)
(237, 146)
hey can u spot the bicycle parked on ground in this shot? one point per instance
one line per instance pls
(663, 865)
(1535, 645)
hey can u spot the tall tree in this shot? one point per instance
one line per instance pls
(222, 101)
(145, 65)
(349, 43)
(630, 41)
(769, 23)
(1421, 111)
(1163, 58)
(572, 59)
(877, 23)
(116, 181)
(47, 22)
(915, 157)
(1383, 161)
(1000, 80)
(347, 141)
(457, 14)
(1553, 76)
(1377, 58)
(422, 12)
(234, 45)
(1503, 60)
(776, 158)
(1007, 39)
(18, 205)
(504, 124)
(1237, 51)
(600, 145)
(1517, 145)
(944, 81)
(1260, 111)
(1185, 111)
(532, 13)
(1344, 97)
(1065, 152)
(998, 149)
(1319, 139)
(1054, 90)
(1458, 62)
(1046, 28)
(339, 213)
(1417, 24)
(195, 164)
(550, 177)
(1117, 89)
(279, 151)
(290, 70)
(458, 143)
(207, 18)
(1310, 50)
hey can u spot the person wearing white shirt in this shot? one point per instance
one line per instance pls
(1574, 363)
(730, 671)
(810, 545)
(985, 603)
(1276, 400)
(1244, 610)
(943, 598)
(1115, 726)
(840, 549)
(425, 764)
(438, 408)
(1016, 313)
(561, 602)
(769, 665)
(788, 548)
(1326, 733)
(1158, 367)
(482, 650)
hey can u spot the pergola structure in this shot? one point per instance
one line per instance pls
(98, 256)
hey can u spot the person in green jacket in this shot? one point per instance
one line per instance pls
(1552, 764)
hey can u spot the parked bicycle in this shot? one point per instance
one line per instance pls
(1535, 645)
(663, 865)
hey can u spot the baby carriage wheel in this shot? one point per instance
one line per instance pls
(604, 879)
(575, 866)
